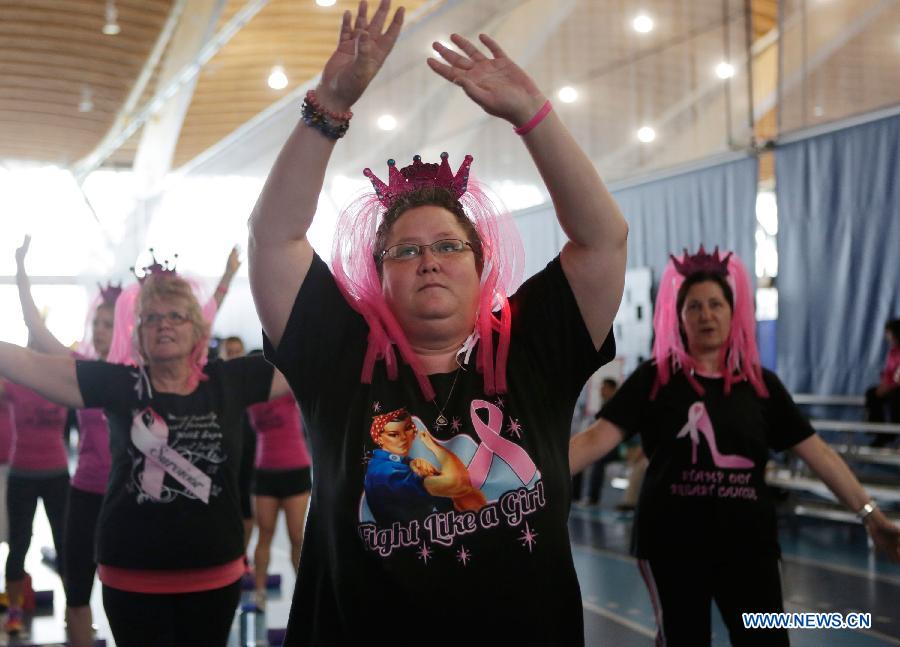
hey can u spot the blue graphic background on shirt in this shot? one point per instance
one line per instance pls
(501, 478)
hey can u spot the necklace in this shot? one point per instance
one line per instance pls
(441, 420)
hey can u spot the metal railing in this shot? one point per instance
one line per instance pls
(851, 449)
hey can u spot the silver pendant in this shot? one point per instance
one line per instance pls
(441, 421)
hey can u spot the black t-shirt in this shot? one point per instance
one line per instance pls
(154, 515)
(704, 492)
(494, 564)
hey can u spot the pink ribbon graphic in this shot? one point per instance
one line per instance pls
(699, 423)
(152, 441)
(492, 443)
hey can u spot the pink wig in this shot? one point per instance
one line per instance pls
(106, 296)
(740, 356)
(353, 264)
(125, 345)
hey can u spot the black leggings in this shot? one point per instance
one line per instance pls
(81, 531)
(201, 619)
(682, 591)
(22, 493)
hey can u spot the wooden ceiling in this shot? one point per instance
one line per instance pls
(763, 16)
(232, 88)
(53, 55)
(52, 52)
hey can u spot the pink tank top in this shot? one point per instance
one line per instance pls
(94, 460)
(37, 443)
(891, 366)
(279, 436)
(6, 430)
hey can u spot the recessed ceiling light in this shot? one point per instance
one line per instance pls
(724, 70)
(642, 23)
(646, 134)
(387, 122)
(111, 28)
(277, 78)
(325, 3)
(87, 103)
(567, 94)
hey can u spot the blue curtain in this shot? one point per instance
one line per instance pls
(839, 256)
(713, 206)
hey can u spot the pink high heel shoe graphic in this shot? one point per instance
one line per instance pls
(699, 423)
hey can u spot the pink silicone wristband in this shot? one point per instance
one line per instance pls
(538, 118)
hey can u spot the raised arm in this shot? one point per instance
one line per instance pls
(835, 473)
(280, 254)
(593, 443)
(593, 259)
(41, 337)
(232, 265)
(53, 376)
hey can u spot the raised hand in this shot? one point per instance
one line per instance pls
(22, 251)
(497, 84)
(234, 261)
(362, 48)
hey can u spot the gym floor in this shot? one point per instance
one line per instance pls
(826, 567)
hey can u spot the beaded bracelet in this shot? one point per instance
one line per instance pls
(313, 99)
(314, 118)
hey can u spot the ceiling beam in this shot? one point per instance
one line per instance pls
(187, 75)
(152, 61)
(125, 112)
(160, 134)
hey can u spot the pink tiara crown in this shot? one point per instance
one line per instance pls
(156, 269)
(418, 175)
(110, 293)
(702, 262)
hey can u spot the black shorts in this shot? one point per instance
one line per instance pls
(79, 541)
(281, 484)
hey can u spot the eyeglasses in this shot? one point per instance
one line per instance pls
(443, 247)
(154, 320)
